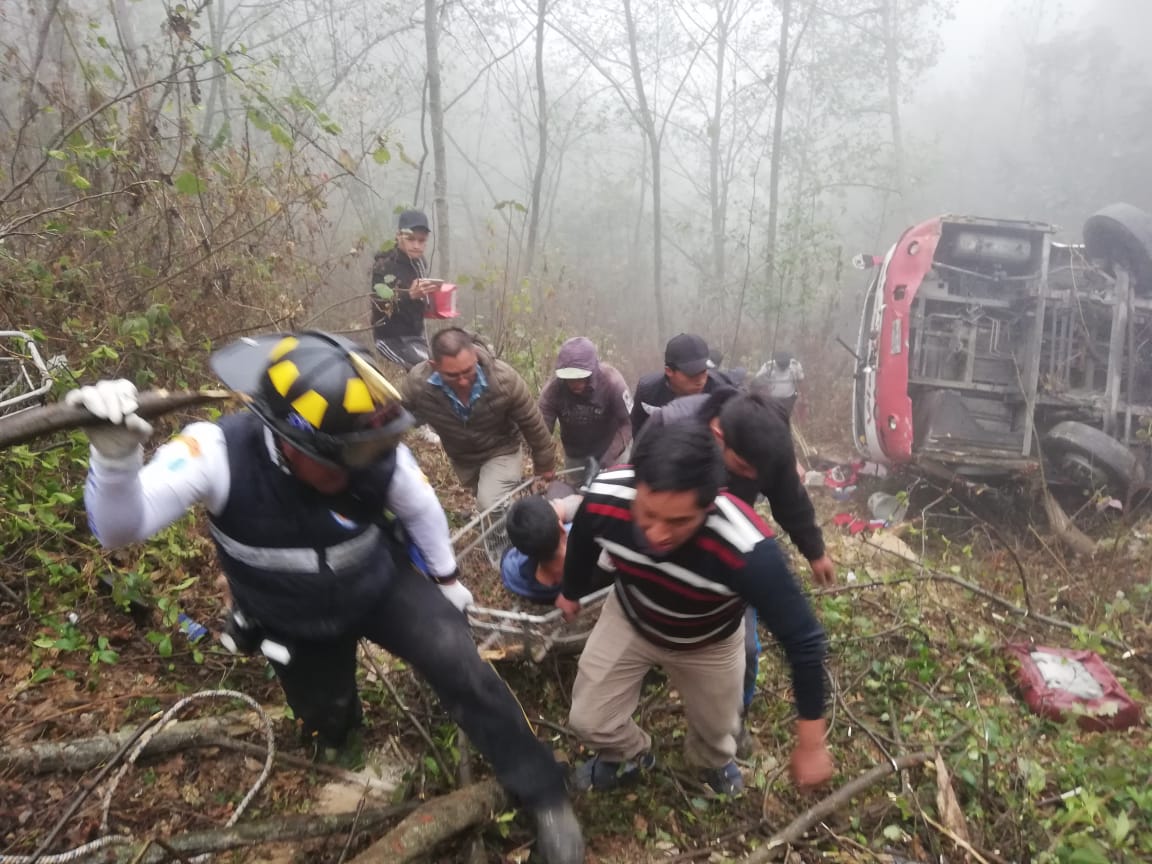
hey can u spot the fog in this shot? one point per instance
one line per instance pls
(687, 165)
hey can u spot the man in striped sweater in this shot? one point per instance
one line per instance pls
(687, 558)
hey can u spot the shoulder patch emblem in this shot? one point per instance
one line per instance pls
(343, 521)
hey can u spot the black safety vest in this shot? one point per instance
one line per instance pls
(299, 563)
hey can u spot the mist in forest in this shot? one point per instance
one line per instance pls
(624, 169)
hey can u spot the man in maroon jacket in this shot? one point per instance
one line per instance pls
(591, 401)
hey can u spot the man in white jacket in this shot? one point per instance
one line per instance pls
(297, 490)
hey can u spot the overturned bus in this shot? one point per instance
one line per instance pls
(988, 350)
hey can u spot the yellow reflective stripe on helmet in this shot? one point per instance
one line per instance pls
(312, 407)
(283, 347)
(357, 399)
(379, 386)
(283, 375)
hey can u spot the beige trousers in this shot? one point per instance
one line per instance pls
(611, 674)
(492, 480)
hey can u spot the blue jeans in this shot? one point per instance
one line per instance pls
(751, 655)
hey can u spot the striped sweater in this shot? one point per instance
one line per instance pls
(696, 595)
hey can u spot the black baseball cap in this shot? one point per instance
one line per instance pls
(413, 220)
(688, 353)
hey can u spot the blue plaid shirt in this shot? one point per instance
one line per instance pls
(478, 387)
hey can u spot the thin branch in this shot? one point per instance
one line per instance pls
(483, 69)
(9, 229)
(34, 80)
(416, 724)
(95, 112)
(842, 797)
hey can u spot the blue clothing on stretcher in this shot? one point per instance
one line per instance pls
(518, 573)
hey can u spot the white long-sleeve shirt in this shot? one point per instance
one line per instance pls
(127, 503)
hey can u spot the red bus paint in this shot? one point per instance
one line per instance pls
(910, 261)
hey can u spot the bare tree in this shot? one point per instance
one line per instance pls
(783, 67)
(436, 125)
(542, 138)
(648, 127)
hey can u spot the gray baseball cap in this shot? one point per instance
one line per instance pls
(413, 220)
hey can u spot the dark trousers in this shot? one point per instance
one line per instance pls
(406, 351)
(415, 622)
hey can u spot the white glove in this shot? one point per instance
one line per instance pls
(458, 595)
(115, 443)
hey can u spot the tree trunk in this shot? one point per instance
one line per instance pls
(434, 822)
(216, 22)
(634, 246)
(542, 139)
(279, 829)
(45, 757)
(782, 70)
(648, 125)
(439, 157)
(716, 198)
(892, 61)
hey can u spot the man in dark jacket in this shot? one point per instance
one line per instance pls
(591, 402)
(481, 409)
(756, 441)
(399, 289)
(687, 371)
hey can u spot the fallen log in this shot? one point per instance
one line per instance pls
(1065, 529)
(435, 821)
(80, 754)
(58, 417)
(778, 843)
(278, 830)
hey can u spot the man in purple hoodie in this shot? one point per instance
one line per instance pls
(592, 403)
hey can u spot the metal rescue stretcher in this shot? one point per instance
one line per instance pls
(24, 376)
(512, 632)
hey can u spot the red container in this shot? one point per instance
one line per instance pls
(442, 302)
(1060, 683)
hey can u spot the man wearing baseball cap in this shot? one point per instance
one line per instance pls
(687, 371)
(591, 402)
(399, 289)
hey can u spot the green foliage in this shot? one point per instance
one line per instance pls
(1046, 791)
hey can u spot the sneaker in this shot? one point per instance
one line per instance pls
(600, 774)
(558, 835)
(725, 781)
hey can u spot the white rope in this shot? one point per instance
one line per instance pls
(165, 720)
(73, 855)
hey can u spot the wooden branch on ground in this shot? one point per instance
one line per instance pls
(434, 822)
(59, 417)
(778, 844)
(80, 754)
(278, 830)
(366, 654)
(1065, 529)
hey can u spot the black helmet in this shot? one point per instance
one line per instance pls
(320, 393)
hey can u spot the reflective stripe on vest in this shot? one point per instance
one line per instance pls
(343, 556)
